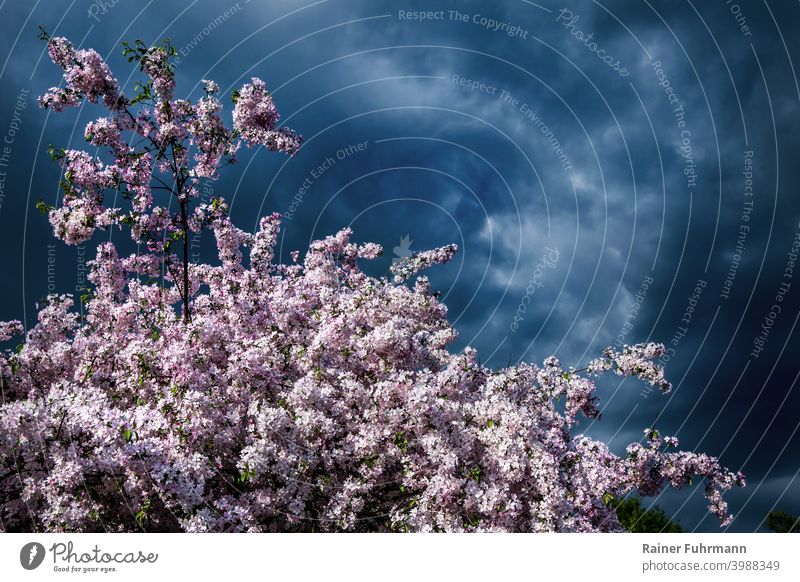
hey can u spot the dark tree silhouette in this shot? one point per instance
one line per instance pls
(782, 522)
(636, 519)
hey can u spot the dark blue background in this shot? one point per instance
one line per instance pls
(444, 163)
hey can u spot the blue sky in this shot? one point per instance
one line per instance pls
(589, 158)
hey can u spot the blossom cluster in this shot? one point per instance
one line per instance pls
(86, 75)
(256, 118)
(306, 396)
(178, 143)
(302, 397)
(407, 267)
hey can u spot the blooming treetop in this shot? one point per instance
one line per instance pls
(156, 142)
(297, 397)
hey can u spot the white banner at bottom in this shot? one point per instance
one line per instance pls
(396, 557)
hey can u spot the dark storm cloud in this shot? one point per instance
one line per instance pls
(548, 146)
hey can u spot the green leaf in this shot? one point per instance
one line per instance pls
(141, 515)
(56, 153)
(474, 473)
(43, 207)
(88, 373)
(371, 460)
(401, 442)
(245, 475)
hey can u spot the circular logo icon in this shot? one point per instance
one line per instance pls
(31, 555)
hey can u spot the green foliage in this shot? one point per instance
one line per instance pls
(43, 207)
(474, 473)
(143, 91)
(140, 50)
(56, 154)
(142, 514)
(245, 475)
(636, 519)
(371, 460)
(401, 442)
(782, 522)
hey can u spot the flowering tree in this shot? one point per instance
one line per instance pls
(280, 397)
(162, 131)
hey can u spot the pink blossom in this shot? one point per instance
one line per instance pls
(408, 267)
(85, 75)
(255, 118)
(250, 395)
(155, 64)
(310, 397)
